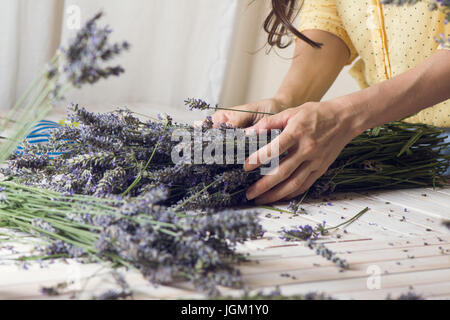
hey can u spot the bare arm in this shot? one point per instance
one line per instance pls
(316, 133)
(403, 96)
(311, 74)
(313, 71)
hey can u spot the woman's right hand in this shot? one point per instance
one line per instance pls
(246, 119)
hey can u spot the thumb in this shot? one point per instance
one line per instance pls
(277, 121)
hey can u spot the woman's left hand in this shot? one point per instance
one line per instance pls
(313, 134)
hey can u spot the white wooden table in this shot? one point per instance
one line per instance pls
(398, 246)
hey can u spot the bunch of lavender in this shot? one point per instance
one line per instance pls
(138, 233)
(80, 62)
(442, 5)
(117, 154)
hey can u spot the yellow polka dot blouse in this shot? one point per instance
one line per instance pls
(388, 39)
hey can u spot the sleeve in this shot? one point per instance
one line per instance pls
(323, 15)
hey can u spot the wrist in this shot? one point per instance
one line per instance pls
(353, 119)
(284, 101)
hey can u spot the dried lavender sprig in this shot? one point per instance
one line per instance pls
(198, 104)
(328, 254)
(303, 233)
(80, 62)
(306, 232)
(310, 235)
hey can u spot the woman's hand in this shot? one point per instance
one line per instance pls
(244, 119)
(313, 134)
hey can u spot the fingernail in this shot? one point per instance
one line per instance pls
(252, 160)
(250, 194)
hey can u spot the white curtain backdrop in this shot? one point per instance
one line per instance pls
(180, 48)
(209, 49)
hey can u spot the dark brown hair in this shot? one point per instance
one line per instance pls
(279, 24)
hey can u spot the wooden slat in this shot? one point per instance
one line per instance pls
(388, 281)
(332, 273)
(354, 258)
(409, 202)
(427, 291)
(428, 196)
(378, 238)
(298, 249)
(397, 212)
(445, 191)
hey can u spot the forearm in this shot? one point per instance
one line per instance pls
(405, 95)
(313, 71)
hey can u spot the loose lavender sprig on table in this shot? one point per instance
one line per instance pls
(310, 235)
(80, 62)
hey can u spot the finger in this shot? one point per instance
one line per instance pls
(276, 176)
(219, 118)
(289, 186)
(278, 121)
(236, 119)
(275, 148)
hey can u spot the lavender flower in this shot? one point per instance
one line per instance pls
(198, 104)
(310, 235)
(323, 251)
(407, 296)
(303, 233)
(295, 208)
(61, 248)
(88, 51)
(114, 295)
(43, 225)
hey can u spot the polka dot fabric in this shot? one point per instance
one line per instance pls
(389, 40)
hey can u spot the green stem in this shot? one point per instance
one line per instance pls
(244, 111)
(349, 222)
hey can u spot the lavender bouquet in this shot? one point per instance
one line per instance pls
(81, 62)
(118, 154)
(139, 234)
